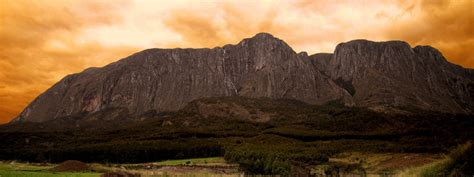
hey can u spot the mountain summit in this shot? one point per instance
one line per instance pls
(378, 75)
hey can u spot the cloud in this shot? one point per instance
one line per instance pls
(318, 26)
(40, 44)
(446, 25)
(215, 24)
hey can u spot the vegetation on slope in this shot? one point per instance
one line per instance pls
(264, 136)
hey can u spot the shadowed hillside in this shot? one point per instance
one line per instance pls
(242, 130)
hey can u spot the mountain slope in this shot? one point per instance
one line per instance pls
(362, 73)
(384, 74)
(167, 79)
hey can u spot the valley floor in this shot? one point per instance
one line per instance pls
(298, 140)
(380, 164)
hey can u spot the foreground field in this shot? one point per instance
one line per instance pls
(214, 166)
(13, 169)
(345, 164)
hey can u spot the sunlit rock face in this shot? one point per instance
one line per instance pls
(359, 73)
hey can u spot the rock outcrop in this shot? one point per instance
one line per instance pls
(379, 75)
(392, 74)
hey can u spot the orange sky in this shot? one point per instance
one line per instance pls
(41, 41)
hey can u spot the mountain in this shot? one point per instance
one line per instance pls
(387, 74)
(383, 76)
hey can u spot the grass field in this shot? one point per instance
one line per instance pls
(374, 164)
(28, 170)
(44, 174)
(182, 167)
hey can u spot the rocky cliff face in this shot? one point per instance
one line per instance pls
(167, 79)
(361, 73)
(387, 74)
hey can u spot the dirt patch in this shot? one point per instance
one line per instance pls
(197, 169)
(219, 170)
(119, 174)
(385, 163)
(40, 164)
(71, 166)
(403, 161)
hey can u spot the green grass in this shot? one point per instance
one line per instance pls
(197, 161)
(21, 166)
(27, 170)
(6, 173)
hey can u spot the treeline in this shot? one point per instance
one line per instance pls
(120, 152)
(257, 159)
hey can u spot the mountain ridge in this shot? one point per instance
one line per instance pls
(378, 75)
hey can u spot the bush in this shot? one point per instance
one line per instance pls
(278, 160)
